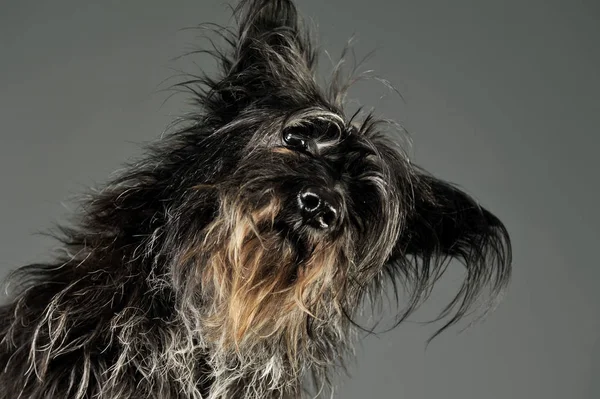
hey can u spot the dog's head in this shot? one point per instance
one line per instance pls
(277, 213)
(285, 212)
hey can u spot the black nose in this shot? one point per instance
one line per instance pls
(318, 208)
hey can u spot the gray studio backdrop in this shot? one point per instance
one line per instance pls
(501, 97)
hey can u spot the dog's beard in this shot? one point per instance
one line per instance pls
(262, 300)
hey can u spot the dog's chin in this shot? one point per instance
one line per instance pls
(259, 278)
(304, 240)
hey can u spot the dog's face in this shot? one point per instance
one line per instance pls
(310, 211)
(290, 212)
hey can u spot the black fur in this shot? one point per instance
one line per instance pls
(121, 313)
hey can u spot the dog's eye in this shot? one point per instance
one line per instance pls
(296, 141)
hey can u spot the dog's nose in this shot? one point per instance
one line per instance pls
(318, 208)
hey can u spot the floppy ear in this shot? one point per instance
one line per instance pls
(445, 223)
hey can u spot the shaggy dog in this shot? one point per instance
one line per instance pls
(230, 261)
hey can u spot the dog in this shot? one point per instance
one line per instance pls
(230, 261)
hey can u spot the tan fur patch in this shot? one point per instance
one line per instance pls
(255, 289)
(283, 150)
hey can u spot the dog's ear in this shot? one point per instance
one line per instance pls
(271, 35)
(269, 61)
(446, 223)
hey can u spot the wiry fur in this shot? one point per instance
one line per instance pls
(193, 275)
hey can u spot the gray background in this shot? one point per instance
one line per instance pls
(501, 98)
